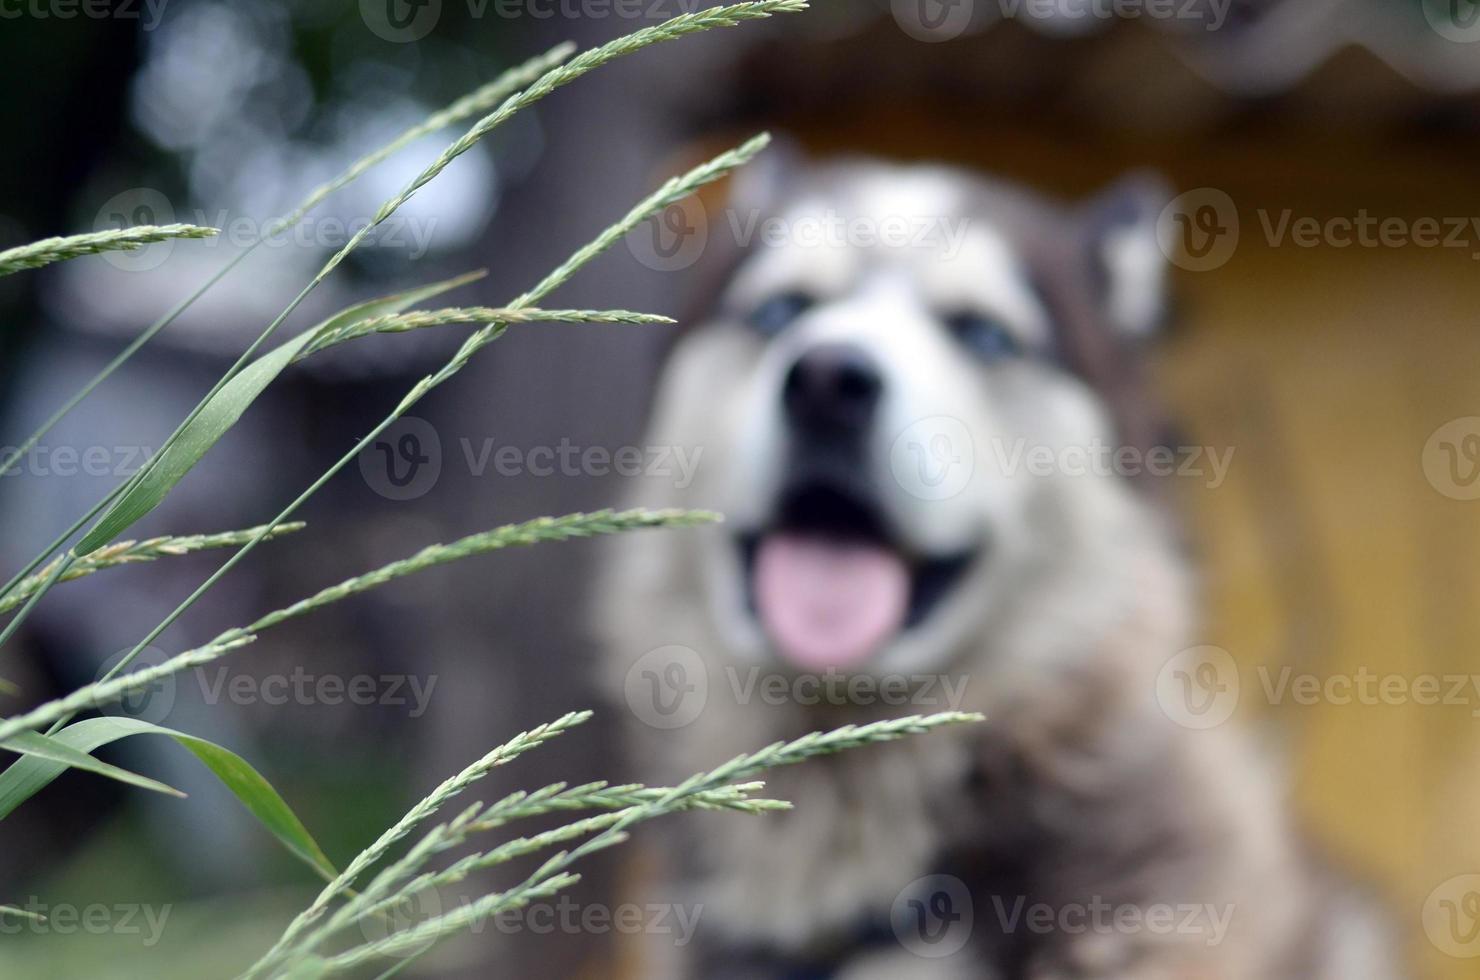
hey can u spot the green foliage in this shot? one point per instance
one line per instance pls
(49, 250)
(377, 879)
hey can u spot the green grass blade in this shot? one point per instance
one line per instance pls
(223, 411)
(469, 105)
(421, 319)
(116, 685)
(130, 552)
(49, 250)
(677, 27)
(341, 883)
(21, 913)
(261, 800)
(34, 745)
(675, 189)
(30, 774)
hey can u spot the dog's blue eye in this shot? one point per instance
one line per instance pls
(984, 335)
(777, 313)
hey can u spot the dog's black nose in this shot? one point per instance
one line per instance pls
(832, 388)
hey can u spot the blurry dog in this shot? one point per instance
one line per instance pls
(889, 352)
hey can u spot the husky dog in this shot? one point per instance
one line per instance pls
(892, 348)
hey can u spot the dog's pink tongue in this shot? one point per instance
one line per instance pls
(829, 604)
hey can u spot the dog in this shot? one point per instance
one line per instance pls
(891, 346)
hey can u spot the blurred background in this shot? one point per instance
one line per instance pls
(1345, 377)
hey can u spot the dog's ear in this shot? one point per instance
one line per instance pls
(1127, 260)
(762, 184)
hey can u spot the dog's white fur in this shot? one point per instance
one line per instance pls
(1058, 633)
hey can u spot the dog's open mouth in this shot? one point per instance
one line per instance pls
(831, 585)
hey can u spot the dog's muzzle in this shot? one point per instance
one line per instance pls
(828, 578)
(831, 393)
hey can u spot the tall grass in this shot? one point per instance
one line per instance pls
(320, 940)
